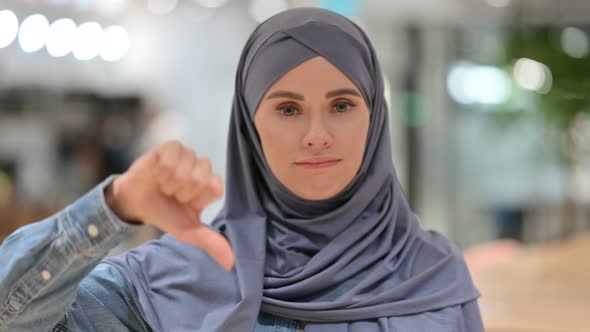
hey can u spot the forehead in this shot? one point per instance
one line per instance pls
(314, 75)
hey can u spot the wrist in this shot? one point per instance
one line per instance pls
(115, 201)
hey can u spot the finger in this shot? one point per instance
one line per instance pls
(147, 160)
(212, 191)
(168, 155)
(202, 236)
(214, 244)
(200, 172)
(188, 192)
(180, 173)
(186, 185)
(217, 186)
(205, 164)
(185, 225)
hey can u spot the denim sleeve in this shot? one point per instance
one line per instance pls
(43, 264)
(103, 303)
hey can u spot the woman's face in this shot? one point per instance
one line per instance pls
(313, 125)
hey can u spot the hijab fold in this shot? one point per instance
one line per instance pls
(359, 261)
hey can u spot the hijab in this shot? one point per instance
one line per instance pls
(357, 261)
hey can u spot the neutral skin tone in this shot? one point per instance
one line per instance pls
(313, 113)
(312, 124)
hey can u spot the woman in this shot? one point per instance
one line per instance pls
(315, 233)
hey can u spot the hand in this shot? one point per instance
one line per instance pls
(168, 187)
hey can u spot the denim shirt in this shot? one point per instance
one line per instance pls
(52, 277)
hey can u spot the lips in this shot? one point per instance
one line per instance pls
(319, 162)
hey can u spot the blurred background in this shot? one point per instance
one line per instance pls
(490, 120)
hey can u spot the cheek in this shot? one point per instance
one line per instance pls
(355, 146)
(353, 135)
(278, 144)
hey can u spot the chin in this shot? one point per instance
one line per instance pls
(317, 195)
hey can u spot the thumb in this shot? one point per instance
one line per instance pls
(214, 244)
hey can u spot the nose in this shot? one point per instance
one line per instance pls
(318, 136)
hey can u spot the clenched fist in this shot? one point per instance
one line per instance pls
(168, 187)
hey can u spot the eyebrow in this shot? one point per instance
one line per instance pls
(340, 92)
(329, 94)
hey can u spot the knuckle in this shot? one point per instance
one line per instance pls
(197, 204)
(170, 146)
(206, 164)
(211, 182)
(198, 172)
(197, 181)
(183, 197)
(192, 154)
(174, 143)
(216, 186)
(182, 177)
(165, 166)
(167, 189)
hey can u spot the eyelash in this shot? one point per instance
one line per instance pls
(282, 107)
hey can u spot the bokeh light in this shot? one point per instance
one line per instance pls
(471, 84)
(115, 43)
(33, 33)
(574, 42)
(61, 34)
(533, 75)
(87, 41)
(8, 27)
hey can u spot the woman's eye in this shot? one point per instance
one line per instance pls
(288, 111)
(342, 107)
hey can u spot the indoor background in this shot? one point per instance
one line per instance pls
(489, 110)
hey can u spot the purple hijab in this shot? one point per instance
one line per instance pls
(359, 261)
